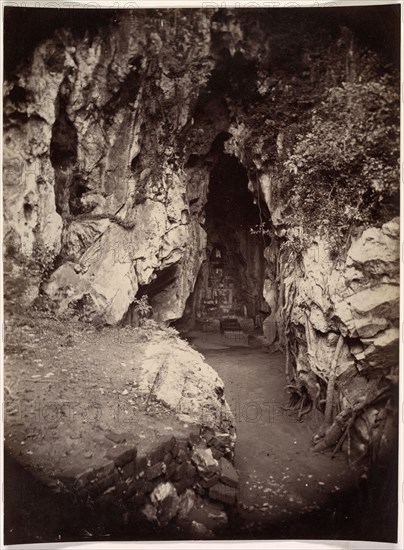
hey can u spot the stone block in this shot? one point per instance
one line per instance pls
(98, 487)
(217, 455)
(194, 437)
(121, 454)
(185, 470)
(165, 445)
(182, 456)
(217, 443)
(205, 463)
(182, 484)
(116, 437)
(149, 486)
(207, 434)
(110, 491)
(128, 470)
(104, 500)
(208, 482)
(168, 458)
(186, 503)
(150, 512)
(140, 464)
(168, 508)
(200, 531)
(209, 513)
(76, 477)
(138, 500)
(155, 470)
(171, 468)
(122, 489)
(223, 493)
(367, 327)
(165, 498)
(175, 449)
(182, 444)
(228, 474)
(104, 469)
(134, 487)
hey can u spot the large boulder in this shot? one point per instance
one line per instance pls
(177, 376)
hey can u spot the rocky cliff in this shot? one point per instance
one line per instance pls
(111, 134)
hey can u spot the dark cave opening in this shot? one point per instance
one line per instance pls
(63, 156)
(161, 282)
(230, 281)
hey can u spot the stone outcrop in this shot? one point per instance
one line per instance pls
(91, 171)
(359, 298)
(356, 297)
(177, 376)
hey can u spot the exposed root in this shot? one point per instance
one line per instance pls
(331, 383)
(300, 403)
(340, 429)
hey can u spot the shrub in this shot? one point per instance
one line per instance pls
(345, 168)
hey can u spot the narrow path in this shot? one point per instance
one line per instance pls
(284, 486)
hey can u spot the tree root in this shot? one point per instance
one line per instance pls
(331, 383)
(299, 403)
(336, 434)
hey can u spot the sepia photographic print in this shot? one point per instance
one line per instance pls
(201, 272)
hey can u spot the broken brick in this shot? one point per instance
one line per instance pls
(128, 469)
(209, 481)
(223, 493)
(155, 470)
(185, 470)
(121, 454)
(78, 478)
(183, 484)
(228, 474)
(115, 437)
(104, 469)
(171, 469)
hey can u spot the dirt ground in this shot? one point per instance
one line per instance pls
(286, 490)
(69, 388)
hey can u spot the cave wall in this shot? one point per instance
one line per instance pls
(94, 155)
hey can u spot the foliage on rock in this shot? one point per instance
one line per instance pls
(345, 167)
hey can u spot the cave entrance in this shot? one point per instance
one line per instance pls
(230, 282)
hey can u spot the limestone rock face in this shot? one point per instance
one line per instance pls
(93, 171)
(375, 253)
(177, 376)
(357, 297)
(31, 217)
